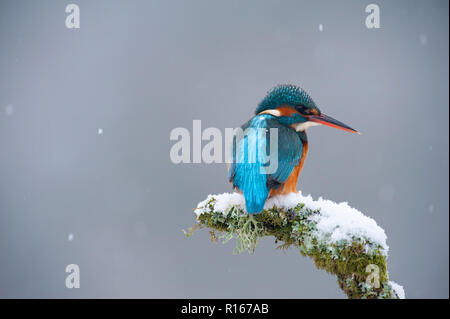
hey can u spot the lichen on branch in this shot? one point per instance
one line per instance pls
(338, 238)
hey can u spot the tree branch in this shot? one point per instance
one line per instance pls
(338, 238)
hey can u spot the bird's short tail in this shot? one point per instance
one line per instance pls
(255, 190)
(254, 205)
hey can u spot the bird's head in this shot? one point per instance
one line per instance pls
(294, 107)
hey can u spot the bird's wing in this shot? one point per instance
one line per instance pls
(252, 169)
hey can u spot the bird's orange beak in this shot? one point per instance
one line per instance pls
(329, 121)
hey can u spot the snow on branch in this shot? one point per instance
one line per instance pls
(339, 238)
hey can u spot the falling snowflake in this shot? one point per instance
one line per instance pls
(70, 237)
(423, 39)
(321, 27)
(100, 131)
(9, 110)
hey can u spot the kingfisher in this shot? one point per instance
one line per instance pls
(290, 111)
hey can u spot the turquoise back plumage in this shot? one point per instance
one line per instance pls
(247, 176)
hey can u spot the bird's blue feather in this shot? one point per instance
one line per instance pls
(286, 94)
(252, 177)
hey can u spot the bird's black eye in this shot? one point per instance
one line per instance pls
(301, 108)
(306, 110)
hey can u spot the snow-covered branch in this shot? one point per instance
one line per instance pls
(339, 238)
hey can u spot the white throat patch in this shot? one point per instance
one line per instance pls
(300, 127)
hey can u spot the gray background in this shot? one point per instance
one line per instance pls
(138, 69)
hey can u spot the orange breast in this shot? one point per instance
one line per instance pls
(290, 186)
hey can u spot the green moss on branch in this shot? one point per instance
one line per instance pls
(347, 259)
